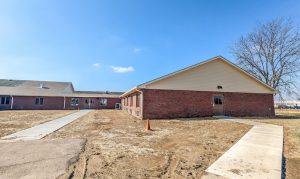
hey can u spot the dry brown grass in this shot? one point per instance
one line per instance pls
(118, 146)
(13, 121)
(287, 113)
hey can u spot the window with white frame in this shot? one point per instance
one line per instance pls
(39, 101)
(103, 102)
(74, 101)
(5, 100)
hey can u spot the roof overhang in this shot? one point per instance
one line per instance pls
(133, 90)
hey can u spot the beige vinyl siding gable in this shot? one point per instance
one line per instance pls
(208, 76)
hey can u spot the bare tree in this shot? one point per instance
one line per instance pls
(272, 54)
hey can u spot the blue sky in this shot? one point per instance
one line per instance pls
(116, 45)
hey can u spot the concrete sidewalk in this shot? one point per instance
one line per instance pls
(40, 131)
(258, 154)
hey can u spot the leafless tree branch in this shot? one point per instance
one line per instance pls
(272, 54)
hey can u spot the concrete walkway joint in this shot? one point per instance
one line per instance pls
(258, 154)
(40, 131)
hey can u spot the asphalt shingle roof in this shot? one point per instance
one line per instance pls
(47, 88)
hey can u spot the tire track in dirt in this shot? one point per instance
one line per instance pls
(118, 146)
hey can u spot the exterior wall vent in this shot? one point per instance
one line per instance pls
(43, 86)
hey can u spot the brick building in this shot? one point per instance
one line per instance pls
(25, 94)
(212, 87)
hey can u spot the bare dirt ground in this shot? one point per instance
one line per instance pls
(118, 146)
(13, 121)
(290, 120)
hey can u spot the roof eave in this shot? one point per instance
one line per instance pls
(130, 91)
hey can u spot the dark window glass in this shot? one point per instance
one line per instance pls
(39, 101)
(7, 100)
(74, 101)
(218, 100)
(2, 100)
(131, 100)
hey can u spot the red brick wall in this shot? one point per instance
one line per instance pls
(28, 102)
(179, 103)
(133, 110)
(248, 104)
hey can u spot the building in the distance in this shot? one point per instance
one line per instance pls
(287, 104)
(212, 87)
(26, 94)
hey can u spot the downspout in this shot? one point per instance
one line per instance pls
(12, 102)
(64, 102)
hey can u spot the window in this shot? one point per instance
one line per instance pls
(117, 106)
(39, 101)
(103, 102)
(131, 100)
(5, 100)
(138, 100)
(74, 101)
(126, 101)
(87, 101)
(218, 100)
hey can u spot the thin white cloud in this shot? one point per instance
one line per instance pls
(119, 69)
(96, 65)
(137, 50)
